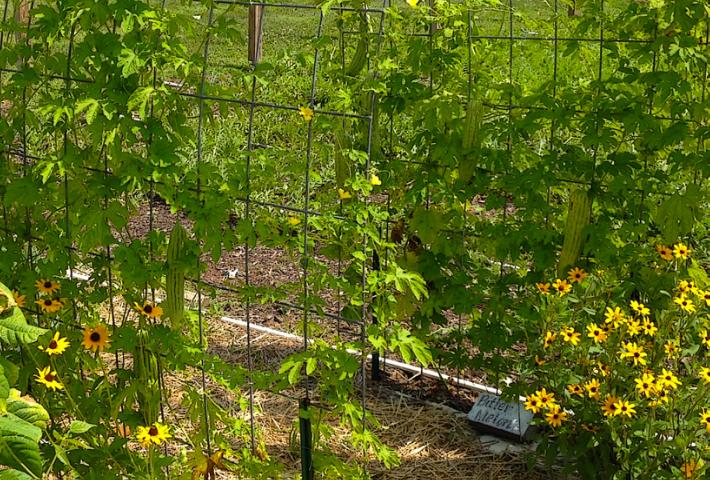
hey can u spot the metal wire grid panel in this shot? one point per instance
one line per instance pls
(23, 156)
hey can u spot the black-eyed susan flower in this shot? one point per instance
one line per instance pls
(307, 113)
(633, 327)
(635, 352)
(668, 380)
(555, 416)
(19, 299)
(56, 346)
(640, 308)
(625, 408)
(671, 348)
(375, 180)
(681, 251)
(344, 194)
(614, 316)
(705, 374)
(96, 338)
(48, 378)
(49, 305)
(646, 385)
(562, 287)
(685, 304)
(661, 396)
(705, 295)
(664, 252)
(589, 428)
(547, 399)
(609, 406)
(413, 3)
(532, 403)
(686, 287)
(705, 419)
(705, 337)
(149, 310)
(592, 387)
(543, 288)
(575, 389)
(46, 287)
(649, 328)
(549, 338)
(602, 369)
(539, 361)
(596, 333)
(576, 275)
(569, 335)
(154, 434)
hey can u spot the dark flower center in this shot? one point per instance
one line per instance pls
(95, 337)
(637, 354)
(52, 344)
(147, 309)
(623, 409)
(645, 385)
(49, 377)
(153, 431)
(47, 284)
(47, 303)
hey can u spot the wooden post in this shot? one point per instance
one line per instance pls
(256, 15)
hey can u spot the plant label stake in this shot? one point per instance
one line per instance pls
(506, 419)
(304, 421)
(256, 15)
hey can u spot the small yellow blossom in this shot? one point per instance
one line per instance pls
(307, 113)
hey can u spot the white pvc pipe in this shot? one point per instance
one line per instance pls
(426, 372)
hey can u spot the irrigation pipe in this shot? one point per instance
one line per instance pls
(426, 372)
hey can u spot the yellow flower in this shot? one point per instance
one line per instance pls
(46, 287)
(149, 310)
(543, 288)
(576, 275)
(532, 403)
(539, 361)
(633, 327)
(49, 378)
(668, 380)
(56, 346)
(665, 252)
(19, 299)
(375, 180)
(682, 251)
(705, 374)
(615, 316)
(592, 388)
(50, 305)
(671, 348)
(293, 220)
(344, 194)
(596, 333)
(95, 338)
(704, 294)
(625, 408)
(412, 3)
(649, 328)
(562, 287)
(549, 338)
(705, 337)
(575, 389)
(547, 399)
(705, 419)
(569, 335)
(640, 308)
(609, 407)
(307, 113)
(602, 369)
(685, 303)
(152, 435)
(685, 286)
(646, 384)
(661, 396)
(555, 416)
(634, 352)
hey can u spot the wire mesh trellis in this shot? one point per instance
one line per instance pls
(28, 160)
